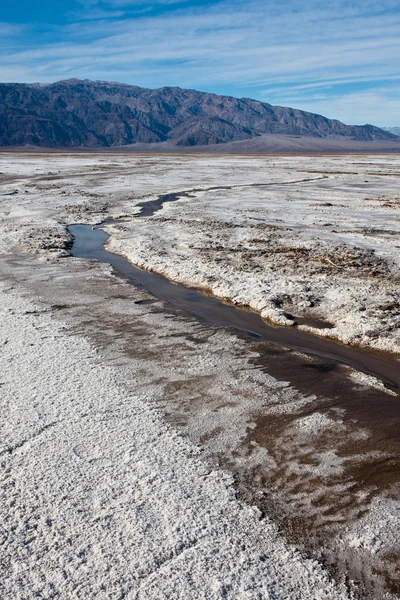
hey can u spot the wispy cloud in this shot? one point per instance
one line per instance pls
(10, 29)
(281, 52)
(97, 14)
(356, 108)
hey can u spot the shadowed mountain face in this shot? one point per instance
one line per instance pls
(98, 114)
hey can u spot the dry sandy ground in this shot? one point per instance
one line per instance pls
(269, 143)
(103, 497)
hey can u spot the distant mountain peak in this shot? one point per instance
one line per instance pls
(101, 114)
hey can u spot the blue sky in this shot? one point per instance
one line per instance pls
(340, 59)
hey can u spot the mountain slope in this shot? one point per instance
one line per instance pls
(76, 113)
(393, 130)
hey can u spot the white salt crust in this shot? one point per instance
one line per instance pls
(101, 499)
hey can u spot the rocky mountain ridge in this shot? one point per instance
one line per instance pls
(99, 114)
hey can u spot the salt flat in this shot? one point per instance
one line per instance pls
(125, 420)
(319, 240)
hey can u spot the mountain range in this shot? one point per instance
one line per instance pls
(98, 114)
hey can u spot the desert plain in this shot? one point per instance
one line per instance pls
(149, 452)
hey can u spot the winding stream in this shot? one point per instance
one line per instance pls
(89, 243)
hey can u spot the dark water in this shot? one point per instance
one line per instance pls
(89, 243)
(149, 208)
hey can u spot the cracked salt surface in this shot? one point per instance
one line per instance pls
(107, 501)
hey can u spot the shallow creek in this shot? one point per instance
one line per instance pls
(89, 243)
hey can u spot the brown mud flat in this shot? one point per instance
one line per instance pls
(311, 507)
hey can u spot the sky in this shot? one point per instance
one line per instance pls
(339, 58)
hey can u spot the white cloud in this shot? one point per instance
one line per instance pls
(97, 14)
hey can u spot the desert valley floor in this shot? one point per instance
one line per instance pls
(152, 448)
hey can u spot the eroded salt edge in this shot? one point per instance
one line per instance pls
(152, 252)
